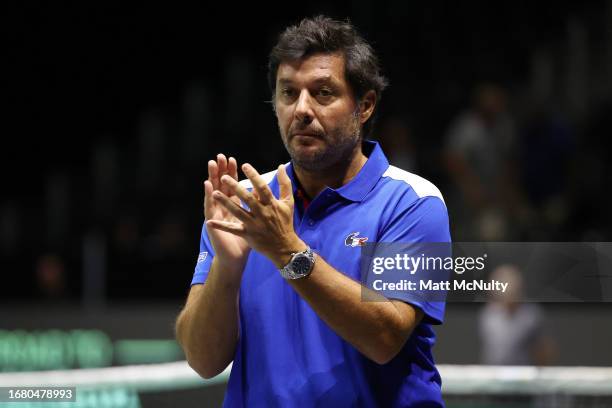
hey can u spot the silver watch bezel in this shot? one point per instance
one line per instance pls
(287, 271)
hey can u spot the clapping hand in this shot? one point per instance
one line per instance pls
(267, 225)
(230, 249)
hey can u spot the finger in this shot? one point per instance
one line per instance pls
(236, 210)
(222, 162)
(213, 174)
(284, 182)
(232, 168)
(259, 184)
(223, 170)
(242, 193)
(208, 199)
(231, 227)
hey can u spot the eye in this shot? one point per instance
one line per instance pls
(286, 92)
(325, 92)
(325, 95)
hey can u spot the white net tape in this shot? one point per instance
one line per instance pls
(457, 379)
(490, 380)
(140, 377)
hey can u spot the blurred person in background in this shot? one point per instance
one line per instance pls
(546, 154)
(395, 137)
(512, 331)
(276, 286)
(480, 157)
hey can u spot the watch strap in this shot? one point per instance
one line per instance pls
(288, 271)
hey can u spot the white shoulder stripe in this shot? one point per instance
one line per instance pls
(421, 186)
(268, 177)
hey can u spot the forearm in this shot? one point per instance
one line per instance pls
(377, 328)
(207, 328)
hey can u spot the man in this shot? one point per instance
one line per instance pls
(479, 155)
(513, 331)
(276, 288)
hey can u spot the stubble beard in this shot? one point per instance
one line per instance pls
(340, 147)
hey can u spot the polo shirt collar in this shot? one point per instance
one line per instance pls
(366, 178)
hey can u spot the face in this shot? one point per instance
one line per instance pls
(318, 117)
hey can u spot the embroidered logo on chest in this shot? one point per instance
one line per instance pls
(353, 240)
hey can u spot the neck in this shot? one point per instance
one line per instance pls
(335, 176)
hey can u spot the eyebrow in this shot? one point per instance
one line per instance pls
(320, 80)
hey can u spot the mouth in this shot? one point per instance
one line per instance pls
(306, 139)
(306, 135)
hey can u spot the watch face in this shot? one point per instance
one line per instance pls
(301, 264)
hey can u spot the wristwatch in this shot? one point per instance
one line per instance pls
(300, 265)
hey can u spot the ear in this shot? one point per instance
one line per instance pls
(366, 106)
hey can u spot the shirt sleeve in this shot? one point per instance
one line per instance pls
(423, 221)
(204, 260)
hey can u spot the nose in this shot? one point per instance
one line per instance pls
(303, 108)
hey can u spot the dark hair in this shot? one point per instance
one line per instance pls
(322, 34)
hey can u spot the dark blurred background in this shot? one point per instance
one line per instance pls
(112, 111)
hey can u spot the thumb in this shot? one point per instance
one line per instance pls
(284, 182)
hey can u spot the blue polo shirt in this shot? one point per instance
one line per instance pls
(286, 355)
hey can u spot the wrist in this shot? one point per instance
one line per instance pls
(282, 255)
(230, 267)
(300, 265)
